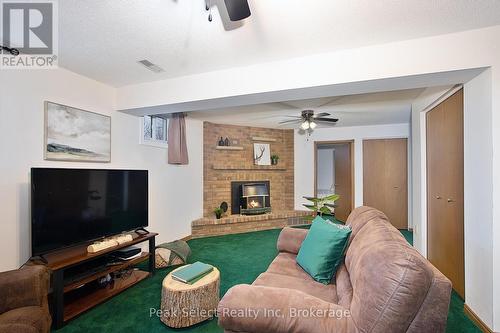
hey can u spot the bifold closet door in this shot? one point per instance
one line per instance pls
(445, 191)
(385, 178)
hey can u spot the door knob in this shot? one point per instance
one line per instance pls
(438, 197)
(450, 200)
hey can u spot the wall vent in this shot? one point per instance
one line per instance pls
(152, 67)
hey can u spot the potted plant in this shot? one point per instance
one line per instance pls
(218, 212)
(322, 205)
(274, 159)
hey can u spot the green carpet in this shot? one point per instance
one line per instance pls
(240, 259)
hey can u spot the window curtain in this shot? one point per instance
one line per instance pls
(177, 146)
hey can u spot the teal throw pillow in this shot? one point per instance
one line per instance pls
(323, 249)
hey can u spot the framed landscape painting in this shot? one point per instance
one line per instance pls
(76, 135)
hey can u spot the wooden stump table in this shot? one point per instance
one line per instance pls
(185, 304)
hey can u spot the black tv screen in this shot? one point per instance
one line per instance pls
(72, 206)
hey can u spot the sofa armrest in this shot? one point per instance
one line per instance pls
(290, 239)
(247, 308)
(27, 286)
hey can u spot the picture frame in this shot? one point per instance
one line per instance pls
(262, 153)
(72, 134)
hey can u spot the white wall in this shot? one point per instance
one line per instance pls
(304, 155)
(495, 181)
(175, 191)
(478, 196)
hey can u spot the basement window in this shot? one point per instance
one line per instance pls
(154, 131)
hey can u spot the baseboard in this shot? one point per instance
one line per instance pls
(188, 237)
(472, 316)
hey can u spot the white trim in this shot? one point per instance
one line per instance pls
(423, 180)
(442, 98)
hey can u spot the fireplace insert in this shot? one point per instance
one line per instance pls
(250, 198)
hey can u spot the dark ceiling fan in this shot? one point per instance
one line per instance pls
(237, 9)
(308, 120)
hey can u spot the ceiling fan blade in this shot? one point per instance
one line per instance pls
(329, 120)
(297, 117)
(288, 106)
(290, 121)
(331, 101)
(321, 114)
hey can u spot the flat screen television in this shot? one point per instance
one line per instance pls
(72, 206)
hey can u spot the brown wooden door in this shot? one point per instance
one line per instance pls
(445, 220)
(343, 181)
(385, 178)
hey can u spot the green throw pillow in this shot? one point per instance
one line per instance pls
(323, 249)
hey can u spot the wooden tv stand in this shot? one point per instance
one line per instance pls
(73, 298)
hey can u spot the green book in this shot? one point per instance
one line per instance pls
(192, 273)
(193, 281)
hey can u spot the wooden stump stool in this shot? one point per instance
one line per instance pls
(185, 304)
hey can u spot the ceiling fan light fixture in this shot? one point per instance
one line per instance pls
(305, 125)
(312, 125)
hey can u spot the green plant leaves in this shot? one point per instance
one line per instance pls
(311, 207)
(312, 199)
(325, 210)
(322, 205)
(331, 197)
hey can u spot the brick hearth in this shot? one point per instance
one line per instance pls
(244, 223)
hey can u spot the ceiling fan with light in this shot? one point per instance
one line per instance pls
(308, 120)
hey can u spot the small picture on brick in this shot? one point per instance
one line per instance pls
(262, 154)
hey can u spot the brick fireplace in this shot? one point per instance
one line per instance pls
(226, 168)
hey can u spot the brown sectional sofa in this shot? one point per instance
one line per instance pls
(384, 286)
(23, 300)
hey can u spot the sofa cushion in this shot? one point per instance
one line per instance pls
(343, 286)
(322, 250)
(325, 292)
(286, 264)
